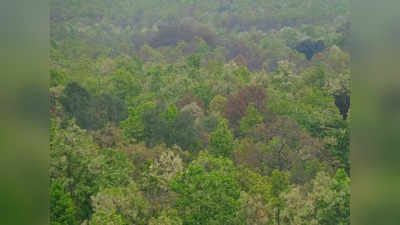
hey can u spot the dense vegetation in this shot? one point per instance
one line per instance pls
(184, 112)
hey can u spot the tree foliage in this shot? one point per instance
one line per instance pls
(310, 48)
(121, 205)
(199, 112)
(207, 197)
(61, 205)
(82, 167)
(251, 120)
(222, 140)
(238, 103)
(327, 202)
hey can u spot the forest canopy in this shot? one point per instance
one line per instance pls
(184, 112)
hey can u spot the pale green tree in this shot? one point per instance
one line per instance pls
(121, 203)
(82, 167)
(165, 168)
(167, 217)
(217, 104)
(106, 218)
(328, 201)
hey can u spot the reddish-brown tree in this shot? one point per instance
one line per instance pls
(238, 102)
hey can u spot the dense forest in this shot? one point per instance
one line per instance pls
(199, 112)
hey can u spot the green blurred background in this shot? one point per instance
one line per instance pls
(376, 112)
(24, 112)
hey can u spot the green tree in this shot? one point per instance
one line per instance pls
(76, 101)
(124, 84)
(205, 92)
(279, 182)
(184, 133)
(243, 73)
(251, 120)
(341, 148)
(254, 184)
(210, 198)
(57, 77)
(285, 78)
(178, 131)
(106, 108)
(193, 62)
(217, 105)
(328, 201)
(133, 126)
(163, 169)
(171, 113)
(124, 204)
(82, 167)
(91, 112)
(254, 211)
(106, 218)
(168, 217)
(309, 107)
(62, 209)
(222, 140)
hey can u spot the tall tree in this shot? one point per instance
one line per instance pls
(62, 209)
(207, 195)
(222, 140)
(279, 185)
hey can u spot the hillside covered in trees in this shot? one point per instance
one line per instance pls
(199, 112)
